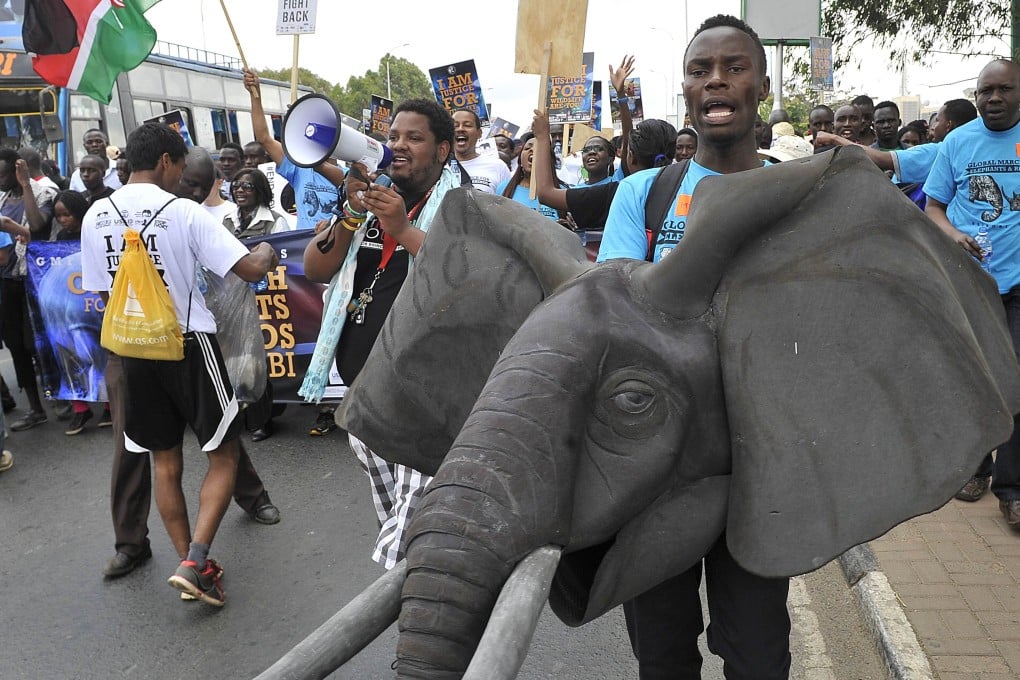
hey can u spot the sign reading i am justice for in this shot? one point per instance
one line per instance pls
(295, 16)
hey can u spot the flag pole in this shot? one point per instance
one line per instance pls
(230, 24)
(543, 88)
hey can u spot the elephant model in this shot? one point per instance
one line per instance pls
(813, 364)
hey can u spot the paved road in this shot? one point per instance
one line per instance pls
(62, 620)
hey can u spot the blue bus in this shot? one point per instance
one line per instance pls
(207, 88)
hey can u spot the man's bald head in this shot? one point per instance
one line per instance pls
(198, 176)
(998, 95)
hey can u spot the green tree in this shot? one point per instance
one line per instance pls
(406, 81)
(913, 29)
(798, 103)
(305, 77)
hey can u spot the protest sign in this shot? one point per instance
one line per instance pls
(176, 121)
(457, 87)
(632, 90)
(561, 24)
(381, 115)
(294, 17)
(821, 63)
(503, 127)
(66, 323)
(569, 98)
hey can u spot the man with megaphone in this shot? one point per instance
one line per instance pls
(368, 250)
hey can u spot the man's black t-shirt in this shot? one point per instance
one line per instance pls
(356, 340)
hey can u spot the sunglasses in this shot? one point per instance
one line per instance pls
(243, 186)
(593, 149)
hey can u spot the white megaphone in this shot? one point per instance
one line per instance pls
(313, 132)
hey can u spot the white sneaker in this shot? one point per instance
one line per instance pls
(6, 461)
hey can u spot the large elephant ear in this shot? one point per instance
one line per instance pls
(486, 263)
(866, 364)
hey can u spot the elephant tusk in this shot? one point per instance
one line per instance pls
(345, 634)
(506, 639)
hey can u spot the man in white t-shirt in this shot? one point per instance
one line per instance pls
(161, 398)
(95, 142)
(487, 171)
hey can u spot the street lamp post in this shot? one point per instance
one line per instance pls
(389, 94)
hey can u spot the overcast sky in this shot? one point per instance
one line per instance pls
(431, 33)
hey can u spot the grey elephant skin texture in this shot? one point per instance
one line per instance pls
(814, 363)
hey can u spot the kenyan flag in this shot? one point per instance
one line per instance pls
(85, 44)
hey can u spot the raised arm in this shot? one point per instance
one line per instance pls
(542, 173)
(883, 159)
(264, 137)
(38, 218)
(618, 77)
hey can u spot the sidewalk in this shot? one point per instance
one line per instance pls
(956, 575)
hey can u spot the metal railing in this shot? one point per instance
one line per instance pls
(176, 51)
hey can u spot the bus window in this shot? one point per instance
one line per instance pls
(115, 120)
(146, 79)
(176, 84)
(232, 120)
(211, 127)
(245, 131)
(276, 125)
(145, 109)
(84, 107)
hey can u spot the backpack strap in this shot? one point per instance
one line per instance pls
(660, 197)
(151, 219)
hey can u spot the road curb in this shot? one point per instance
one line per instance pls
(895, 637)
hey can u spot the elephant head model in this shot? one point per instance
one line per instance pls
(813, 364)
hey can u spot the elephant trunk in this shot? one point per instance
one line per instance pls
(502, 492)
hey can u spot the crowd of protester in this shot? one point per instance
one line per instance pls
(958, 166)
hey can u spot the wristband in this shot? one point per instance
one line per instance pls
(351, 212)
(349, 226)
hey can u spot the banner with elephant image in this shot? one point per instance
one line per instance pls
(66, 323)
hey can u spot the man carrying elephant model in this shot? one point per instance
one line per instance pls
(724, 80)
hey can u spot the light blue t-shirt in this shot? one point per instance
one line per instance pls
(5, 239)
(977, 176)
(625, 234)
(523, 195)
(314, 195)
(913, 164)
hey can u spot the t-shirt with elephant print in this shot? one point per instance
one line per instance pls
(977, 176)
(625, 235)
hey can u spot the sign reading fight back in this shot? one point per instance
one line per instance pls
(570, 98)
(295, 16)
(457, 87)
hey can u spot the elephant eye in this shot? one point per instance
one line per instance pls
(633, 398)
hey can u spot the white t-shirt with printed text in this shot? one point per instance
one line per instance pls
(180, 238)
(487, 172)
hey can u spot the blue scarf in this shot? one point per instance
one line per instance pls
(341, 290)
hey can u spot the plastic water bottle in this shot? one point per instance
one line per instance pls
(984, 242)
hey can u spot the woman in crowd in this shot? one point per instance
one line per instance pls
(69, 208)
(251, 192)
(597, 158)
(686, 144)
(519, 184)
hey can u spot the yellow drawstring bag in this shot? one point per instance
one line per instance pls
(139, 320)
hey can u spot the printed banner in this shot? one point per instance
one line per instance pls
(596, 105)
(66, 321)
(381, 116)
(503, 127)
(821, 63)
(290, 309)
(632, 90)
(570, 98)
(457, 87)
(175, 121)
